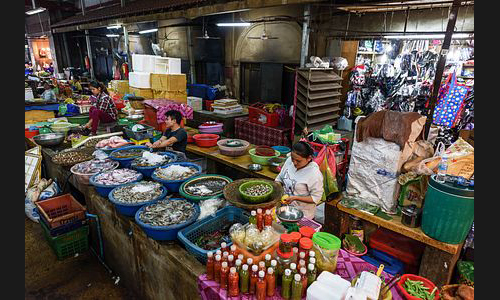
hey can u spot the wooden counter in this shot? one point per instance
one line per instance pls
(438, 260)
(240, 163)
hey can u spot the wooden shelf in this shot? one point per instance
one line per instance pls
(396, 226)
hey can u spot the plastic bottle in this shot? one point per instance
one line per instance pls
(302, 264)
(218, 252)
(442, 169)
(312, 254)
(237, 265)
(230, 260)
(295, 251)
(224, 273)
(224, 256)
(268, 218)
(217, 267)
(311, 274)
(312, 260)
(262, 266)
(223, 247)
(293, 268)
(253, 279)
(297, 288)
(210, 265)
(253, 218)
(270, 282)
(302, 255)
(260, 287)
(234, 289)
(286, 284)
(303, 279)
(233, 251)
(268, 260)
(241, 257)
(260, 219)
(274, 265)
(305, 245)
(249, 262)
(244, 279)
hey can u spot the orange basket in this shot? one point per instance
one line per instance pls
(256, 258)
(61, 210)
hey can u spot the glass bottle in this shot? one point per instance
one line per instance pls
(234, 289)
(356, 228)
(260, 286)
(311, 274)
(303, 279)
(233, 251)
(210, 265)
(244, 279)
(253, 218)
(270, 282)
(268, 218)
(253, 279)
(297, 288)
(286, 284)
(217, 266)
(224, 273)
(260, 219)
(223, 247)
(268, 260)
(237, 265)
(230, 260)
(305, 245)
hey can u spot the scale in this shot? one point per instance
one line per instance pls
(140, 142)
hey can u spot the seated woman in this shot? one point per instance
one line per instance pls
(48, 94)
(103, 108)
(302, 179)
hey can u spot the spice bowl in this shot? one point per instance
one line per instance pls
(244, 191)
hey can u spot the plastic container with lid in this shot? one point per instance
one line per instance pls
(411, 216)
(307, 231)
(326, 246)
(283, 262)
(285, 243)
(305, 245)
(296, 236)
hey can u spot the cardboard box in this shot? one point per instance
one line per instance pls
(169, 82)
(180, 97)
(145, 93)
(120, 86)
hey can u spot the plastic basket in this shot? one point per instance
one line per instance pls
(61, 210)
(188, 235)
(68, 244)
(64, 228)
(141, 134)
(310, 223)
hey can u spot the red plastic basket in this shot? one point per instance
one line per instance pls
(61, 210)
(426, 282)
(29, 134)
(259, 116)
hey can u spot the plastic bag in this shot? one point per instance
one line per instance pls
(328, 167)
(210, 207)
(42, 190)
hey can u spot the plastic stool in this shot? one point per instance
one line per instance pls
(107, 127)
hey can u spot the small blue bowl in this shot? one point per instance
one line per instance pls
(125, 162)
(148, 171)
(165, 233)
(174, 185)
(129, 210)
(104, 190)
(283, 150)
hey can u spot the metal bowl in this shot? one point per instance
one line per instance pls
(135, 117)
(49, 139)
(254, 167)
(290, 214)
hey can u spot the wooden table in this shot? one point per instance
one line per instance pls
(239, 163)
(438, 260)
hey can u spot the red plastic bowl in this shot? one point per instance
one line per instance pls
(426, 282)
(357, 254)
(190, 139)
(30, 134)
(206, 140)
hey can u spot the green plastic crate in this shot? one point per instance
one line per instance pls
(68, 244)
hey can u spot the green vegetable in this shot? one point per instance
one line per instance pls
(353, 243)
(417, 289)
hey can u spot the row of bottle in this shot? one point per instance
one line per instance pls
(259, 219)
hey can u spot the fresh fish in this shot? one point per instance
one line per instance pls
(205, 187)
(138, 192)
(94, 166)
(118, 176)
(167, 212)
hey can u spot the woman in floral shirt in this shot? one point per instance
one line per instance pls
(103, 108)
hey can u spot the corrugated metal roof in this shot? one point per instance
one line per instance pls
(131, 8)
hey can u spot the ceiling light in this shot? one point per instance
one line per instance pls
(36, 11)
(112, 35)
(427, 36)
(233, 24)
(148, 31)
(114, 27)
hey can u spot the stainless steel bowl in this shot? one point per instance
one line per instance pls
(254, 167)
(135, 117)
(288, 213)
(49, 139)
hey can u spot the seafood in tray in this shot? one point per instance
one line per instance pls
(149, 159)
(167, 212)
(138, 192)
(111, 143)
(175, 172)
(206, 187)
(94, 166)
(117, 177)
(70, 158)
(128, 153)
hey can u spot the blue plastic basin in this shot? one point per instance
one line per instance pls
(104, 190)
(174, 185)
(130, 209)
(165, 233)
(283, 150)
(125, 162)
(148, 171)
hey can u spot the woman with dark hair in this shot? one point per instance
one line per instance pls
(302, 179)
(103, 108)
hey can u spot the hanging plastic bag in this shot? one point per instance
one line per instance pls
(328, 167)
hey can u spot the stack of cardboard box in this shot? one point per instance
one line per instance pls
(226, 106)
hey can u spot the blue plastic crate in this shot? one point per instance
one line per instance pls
(63, 228)
(202, 91)
(391, 264)
(188, 235)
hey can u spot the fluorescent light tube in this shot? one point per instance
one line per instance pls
(148, 31)
(36, 11)
(114, 27)
(233, 24)
(426, 36)
(112, 35)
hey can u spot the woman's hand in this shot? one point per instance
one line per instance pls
(288, 200)
(148, 144)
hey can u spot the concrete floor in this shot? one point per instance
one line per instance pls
(81, 277)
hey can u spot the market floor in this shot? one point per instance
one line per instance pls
(81, 277)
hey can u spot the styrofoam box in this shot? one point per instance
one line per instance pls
(143, 63)
(140, 80)
(28, 94)
(167, 65)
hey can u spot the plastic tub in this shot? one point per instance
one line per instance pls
(233, 151)
(148, 171)
(426, 282)
(174, 185)
(81, 120)
(130, 209)
(61, 210)
(197, 199)
(283, 150)
(326, 246)
(261, 160)
(255, 199)
(83, 178)
(206, 140)
(216, 128)
(125, 162)
(165, 233)
(30, 133)
(104, 190)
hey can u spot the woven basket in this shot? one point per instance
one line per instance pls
(87, 155)
(232, 194)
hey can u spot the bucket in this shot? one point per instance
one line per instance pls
(448, 212)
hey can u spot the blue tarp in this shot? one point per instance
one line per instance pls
(42, 107)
